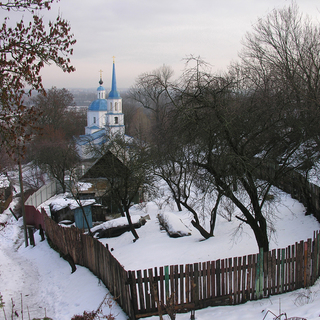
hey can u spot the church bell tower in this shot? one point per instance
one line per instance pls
(114, 116)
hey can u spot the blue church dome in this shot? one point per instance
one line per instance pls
(98, 105)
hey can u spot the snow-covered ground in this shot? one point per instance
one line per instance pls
(45, 282)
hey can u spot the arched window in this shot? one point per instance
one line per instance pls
(116, 106)
(94, 119)
(116, 120)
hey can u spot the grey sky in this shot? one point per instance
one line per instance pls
(145, 34)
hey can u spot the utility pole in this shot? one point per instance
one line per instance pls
(22, 200)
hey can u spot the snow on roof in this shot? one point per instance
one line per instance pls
(83, 186)
(59, 203)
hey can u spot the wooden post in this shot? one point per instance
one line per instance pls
(31, 237)
(283, 253)
(41, 233)
(259, 275)
(166, 280)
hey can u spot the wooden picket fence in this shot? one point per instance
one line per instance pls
(226, 281)
(230, 281)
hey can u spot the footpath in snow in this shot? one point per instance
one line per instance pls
(44, 280)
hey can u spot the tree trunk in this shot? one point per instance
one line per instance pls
(178, 204)
(196, 222)
(259, 228)
(202, 231)
(132, 229)
(214, 214)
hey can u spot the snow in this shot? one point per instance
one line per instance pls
(173, 224)
(116, 223)
(156, 248)
(47, 286)
(83, 186)
(44, 280)
(62, 202)
(4, 181)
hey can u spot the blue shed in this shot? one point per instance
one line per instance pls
(79, 218)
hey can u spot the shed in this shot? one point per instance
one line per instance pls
(79, 218)
(64, 208)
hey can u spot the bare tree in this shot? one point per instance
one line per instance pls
(154, 92)
(173, 157)
(58, 112)
(55, 155)
(247, 131)
(136, 118)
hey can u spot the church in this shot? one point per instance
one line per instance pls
(104, 118)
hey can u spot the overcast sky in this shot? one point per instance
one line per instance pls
(145, 34)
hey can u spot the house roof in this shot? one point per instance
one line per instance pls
(89, 138)
(105, 167)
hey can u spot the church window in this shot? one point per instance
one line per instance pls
(116, 106)
(110, 106)
(116, 120)
(94, 119)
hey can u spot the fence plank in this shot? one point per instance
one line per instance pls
(249, 275)
(239, 279)
(133, 287)
(147, 294)
(235, 281)
(209, 289)
(218, 282)
(292, 268)
(187, 285)
(196, 284)
(307, 262)
(318, 255)
(171, 281)
(244, 275)
(265, 273)
(140, 290)
(176, 284)
(213, 278)
(166, 279)
(222, 278)
(192, 284)
(181, 283)
(161, 285)
(230, 277)
(152, 290)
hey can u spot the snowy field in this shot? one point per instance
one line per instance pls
(47, 287)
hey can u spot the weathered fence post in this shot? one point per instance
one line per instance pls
(259, 275)
(166, 280)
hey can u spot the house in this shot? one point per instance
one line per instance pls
(97, 176)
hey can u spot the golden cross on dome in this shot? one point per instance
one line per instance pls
(113, 58)
(100, 73)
